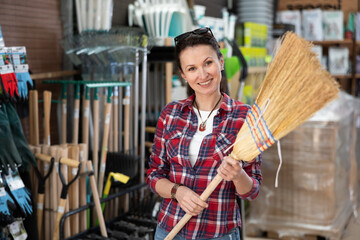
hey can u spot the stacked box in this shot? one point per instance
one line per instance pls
(316, 187)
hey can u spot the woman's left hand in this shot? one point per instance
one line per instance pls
(230, 169)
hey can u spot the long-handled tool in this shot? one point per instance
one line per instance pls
(288, 96)
(34, 117)
(107, 115)
(95, 148)
(45, 149)
(64, 191)
(76, 114)
(116, 176)
(63, 113)
(47, 108)
(73, 153)
(96, 199)
(82, 185)
(41, 188)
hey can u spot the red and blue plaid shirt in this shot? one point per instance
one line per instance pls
(170, 159)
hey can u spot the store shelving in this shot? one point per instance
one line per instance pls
(352, 77)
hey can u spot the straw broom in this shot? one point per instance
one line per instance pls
(294, 88)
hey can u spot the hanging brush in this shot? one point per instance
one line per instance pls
(19, 61)
(295, 87)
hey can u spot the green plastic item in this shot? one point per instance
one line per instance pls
(18, 135)
(9, 154)
(232, 64)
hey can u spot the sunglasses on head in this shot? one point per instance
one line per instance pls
(199, 31)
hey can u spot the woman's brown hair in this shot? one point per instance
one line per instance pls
(192, 39)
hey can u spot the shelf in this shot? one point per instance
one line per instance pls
(252, 70)
(40, 76)
(334, 42)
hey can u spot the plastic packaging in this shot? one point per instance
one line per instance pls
(317, 182)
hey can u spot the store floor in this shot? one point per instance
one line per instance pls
(352, 231)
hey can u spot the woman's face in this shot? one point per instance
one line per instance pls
(201, 68)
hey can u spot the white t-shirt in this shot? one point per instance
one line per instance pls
(199, 136)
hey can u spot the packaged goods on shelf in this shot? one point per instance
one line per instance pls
(312, 25)
(333, 25)
(317, 181)
(250, 34)
(254, 56)
(290, 17)
(338, 60)
(357, 26)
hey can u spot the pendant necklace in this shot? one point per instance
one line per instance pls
(202, 126)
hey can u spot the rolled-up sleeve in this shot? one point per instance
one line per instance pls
(252, 169)
(158, 164)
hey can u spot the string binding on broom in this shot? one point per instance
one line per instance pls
(262, 143)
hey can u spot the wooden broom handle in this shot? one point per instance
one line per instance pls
(47, 109)
(70, 162)
(60, 213)
(204, 196)
(43, 157)
(97, 201)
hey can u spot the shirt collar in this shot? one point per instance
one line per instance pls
(226, 104)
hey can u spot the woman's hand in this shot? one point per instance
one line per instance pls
(230, 169)
(190, 201)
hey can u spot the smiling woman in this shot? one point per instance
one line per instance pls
(189, 148)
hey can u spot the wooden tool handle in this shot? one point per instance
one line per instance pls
(82, 183)
(104, 147)
(60, 213)
(70, 162)
(127, 123)
(43, 157)
(204, 196)
(31, 117)
(40, 212)
(96, 138)
(47, 110)
(97, 201)
(168, 75)
(63, 120)
(76, 121)
(116, 123)
(85, 121)
(35, 117)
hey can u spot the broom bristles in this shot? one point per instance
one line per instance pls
(296, 87)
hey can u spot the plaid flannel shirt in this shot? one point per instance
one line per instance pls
(170, 159)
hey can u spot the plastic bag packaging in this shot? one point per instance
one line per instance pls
(317, 182)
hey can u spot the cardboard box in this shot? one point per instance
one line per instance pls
(316, 185)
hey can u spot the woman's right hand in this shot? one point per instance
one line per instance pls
(190, 201)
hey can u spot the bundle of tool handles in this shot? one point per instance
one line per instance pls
(294, 88)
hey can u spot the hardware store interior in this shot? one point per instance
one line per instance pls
(86, 88)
